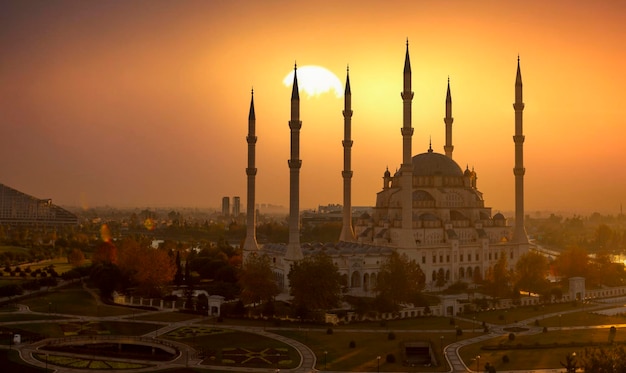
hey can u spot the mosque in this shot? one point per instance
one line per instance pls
(430, 209)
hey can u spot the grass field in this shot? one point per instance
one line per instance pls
(73, 300)
(556, 343)
(368, 346)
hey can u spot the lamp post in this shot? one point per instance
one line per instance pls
(473, 324)
(559, 321)
(478, 363)
(325, 358)
(441, 338)
(378, 363)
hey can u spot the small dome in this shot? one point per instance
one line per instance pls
(387, 173)
(499, 216)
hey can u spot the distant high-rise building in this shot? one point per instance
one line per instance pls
(236, 206)
(226, 206)
(17, 208)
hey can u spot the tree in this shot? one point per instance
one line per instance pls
(76, 257)
(257, 280)
(315, 283)
(530, 273)
(105, 253)
(573, 262)
(498, 278)
(570, 364)
(149, 269)
(399, 279)
(178, 276)
(107, 277)
(599, 359)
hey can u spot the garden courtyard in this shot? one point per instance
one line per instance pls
(96, 336)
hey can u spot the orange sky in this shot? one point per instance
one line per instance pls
(145, 103)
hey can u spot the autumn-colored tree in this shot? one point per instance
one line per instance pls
(105, 253)
(76, 257)
(150, 269)
(257, 280)
(573, 262)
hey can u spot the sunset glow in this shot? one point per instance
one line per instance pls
(315, 80)
(145, 103)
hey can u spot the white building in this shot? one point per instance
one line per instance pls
(430, 209)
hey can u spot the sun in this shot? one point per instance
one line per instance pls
(315, 80)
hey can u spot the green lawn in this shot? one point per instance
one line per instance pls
(72, 301)
(368, 346)
(67, 328)
(556, 343)
(168, 317)
(220, 345)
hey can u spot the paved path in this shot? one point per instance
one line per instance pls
(187, 355)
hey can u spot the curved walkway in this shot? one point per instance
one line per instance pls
(187, 356)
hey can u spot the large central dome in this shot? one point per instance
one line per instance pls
(431, 163)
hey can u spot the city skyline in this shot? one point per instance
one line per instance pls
(146, 103)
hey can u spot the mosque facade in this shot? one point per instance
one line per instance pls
(430, 209)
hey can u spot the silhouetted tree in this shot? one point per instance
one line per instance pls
(257, 281)
(315, 283)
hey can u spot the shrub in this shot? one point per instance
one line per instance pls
(352, 344)
(329, 331)
(545, 329)
(391, 336)
(511, 336)
(536, 322)
(391, 358)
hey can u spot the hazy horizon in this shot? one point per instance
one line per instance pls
(145, 103)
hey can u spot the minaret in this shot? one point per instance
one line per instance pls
(294, 251)
(250, 245)
(406, 239)
(448, 148)
(519, 170)
(347, 232)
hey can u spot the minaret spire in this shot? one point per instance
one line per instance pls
(250, 245)
(448, 148)
(520, 235)
(406, 239)
(347, 231)
(294, 251)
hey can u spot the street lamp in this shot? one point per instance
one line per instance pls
(378, 364)
(559, 321)
(478, 363)
(441, 338)
(325, 358)
(473, 324)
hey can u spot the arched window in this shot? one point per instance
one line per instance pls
(355, 281)
(461, 272)
(366, 281)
